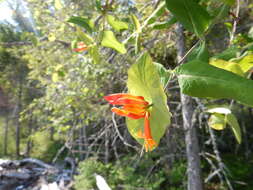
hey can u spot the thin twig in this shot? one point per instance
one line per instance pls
(120, 136)
(235, 21)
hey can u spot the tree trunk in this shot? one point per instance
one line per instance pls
(18, 116)
(30, 130)
(191, 140)
(6, 131)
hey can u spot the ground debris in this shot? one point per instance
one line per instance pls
(34, 174)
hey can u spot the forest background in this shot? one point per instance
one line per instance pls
(51, 94)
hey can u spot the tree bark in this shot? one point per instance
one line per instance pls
(20, 91)
(191, 139)
(6, 131)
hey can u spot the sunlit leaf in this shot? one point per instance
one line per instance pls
(143, 80)
(109, 40)
(222, 116)
(51, 37)
(58, 4)
(227, 65)
(217, 121)
(116, 24)
(221, 110)
(246, 63)
(136, 22)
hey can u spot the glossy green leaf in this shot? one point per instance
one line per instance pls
(194, 17)
(202, 80)
(82, 22)
(116, 24)
(217, 121)
(143, 80)
(227, 65)
(109, 40)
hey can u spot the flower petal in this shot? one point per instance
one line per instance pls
(125, 113)
(125, 101)
(112, 97)
(149, 142)
(135, 109)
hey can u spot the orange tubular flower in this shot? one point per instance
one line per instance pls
(134, 107)
(81, 46)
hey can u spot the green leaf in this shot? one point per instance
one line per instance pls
(94, 53)
(116, 24)
(194, 17)
(58, 4)
(222, 116)
(229, 2)
(217, 121)
(227, 65)
(200, 53)
(228, 53)
(246, 63)
(232, 121)
(163, 74)
(83, 22)
(250, 33)
(109, 40)
(156, 13)
(136, 22)
(143, 80)
(84, 37)
(202, 80)
(164, 25)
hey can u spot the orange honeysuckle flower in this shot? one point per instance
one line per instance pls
(149, 142)
(81, 46)
(134, 107)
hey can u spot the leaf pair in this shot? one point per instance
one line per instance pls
(221, 116)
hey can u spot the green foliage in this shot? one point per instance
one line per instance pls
(200, 53)
(227, 65)
(126, 174)
(164, 74)
(83, 22)
(222, 116)
(109, 40)
(86, 179)
(116, 24)
(144, 80)
(202, 80)
(43, 147)
(196, 21)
